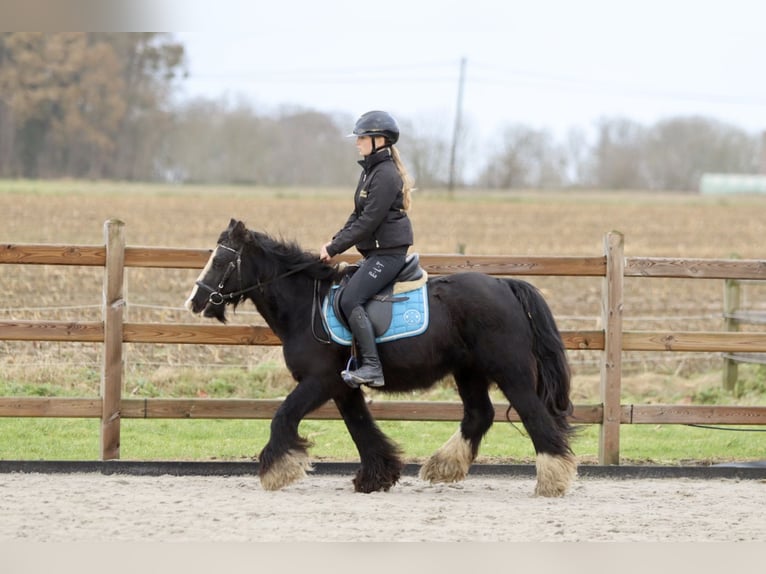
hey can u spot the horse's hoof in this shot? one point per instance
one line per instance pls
(383, 478)
(366, 486)
(450, 463)
(442, 470)
(554, 474)
(285, 470)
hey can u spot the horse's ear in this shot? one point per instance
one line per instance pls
(232, 223)
(237, 230)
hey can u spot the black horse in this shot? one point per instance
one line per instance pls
(482, 329)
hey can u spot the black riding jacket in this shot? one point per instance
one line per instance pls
(379, 221)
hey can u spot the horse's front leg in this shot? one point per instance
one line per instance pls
(285, 459)
(380, 457)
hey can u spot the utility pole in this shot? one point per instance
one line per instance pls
(763, 152)
(456, 131)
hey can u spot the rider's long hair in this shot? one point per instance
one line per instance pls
(406, 179)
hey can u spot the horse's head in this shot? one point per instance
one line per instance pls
(248, 264)
(221, 281)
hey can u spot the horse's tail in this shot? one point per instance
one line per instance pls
(553, 374)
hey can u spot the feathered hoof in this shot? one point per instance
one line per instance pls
(450, 463)
(554, 474)
(442, 470)
(365, 483)
(285, 470)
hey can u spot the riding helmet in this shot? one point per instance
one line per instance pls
(377, 123)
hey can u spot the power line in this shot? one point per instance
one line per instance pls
(494, 76)
(487, 76)
(351, 72)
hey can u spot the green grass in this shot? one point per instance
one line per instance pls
(78, 439)
(204, 439)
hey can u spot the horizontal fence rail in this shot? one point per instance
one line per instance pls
(381, 410)
(194, 334)
(611, 341)
(435, 264)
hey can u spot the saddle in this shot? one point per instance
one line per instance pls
(399, 310)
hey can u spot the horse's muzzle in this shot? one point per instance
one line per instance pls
(195, 304)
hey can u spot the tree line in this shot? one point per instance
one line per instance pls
(104, 106)
(671, 154)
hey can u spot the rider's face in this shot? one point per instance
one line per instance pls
(364, 145)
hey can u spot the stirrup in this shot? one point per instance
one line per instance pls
(350, 377)
(353, 381)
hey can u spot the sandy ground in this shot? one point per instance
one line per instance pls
(125, 508)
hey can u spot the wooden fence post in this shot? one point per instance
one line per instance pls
(731, 302)
(113, 306)
(611, 363)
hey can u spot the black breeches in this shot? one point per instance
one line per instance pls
(376, 272)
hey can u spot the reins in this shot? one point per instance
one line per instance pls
(218, 298)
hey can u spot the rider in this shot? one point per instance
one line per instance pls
(380, 230)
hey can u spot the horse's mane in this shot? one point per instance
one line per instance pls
(285, 255)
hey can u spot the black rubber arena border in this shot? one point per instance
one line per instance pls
(745, 470)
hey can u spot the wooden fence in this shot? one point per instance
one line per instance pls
(734, 317)
(612, 266)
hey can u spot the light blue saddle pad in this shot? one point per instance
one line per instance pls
(409, 317)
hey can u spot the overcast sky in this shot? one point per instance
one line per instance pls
(547, 63)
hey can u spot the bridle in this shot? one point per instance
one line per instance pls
(218, 298)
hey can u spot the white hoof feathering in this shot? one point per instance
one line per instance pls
(291, 467)
(554, 474)
(450, 463)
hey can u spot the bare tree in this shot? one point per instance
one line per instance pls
(223, 142)
(528, 158)
(426, 151)
(308, 148)
(579, 159)
(679, 150)
(619, 155)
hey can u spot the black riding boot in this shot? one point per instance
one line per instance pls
(370, 372)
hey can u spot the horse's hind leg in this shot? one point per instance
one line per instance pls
(381, 458)
(555, 464)
(453, 459)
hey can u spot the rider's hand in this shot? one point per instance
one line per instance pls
(323, 255)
